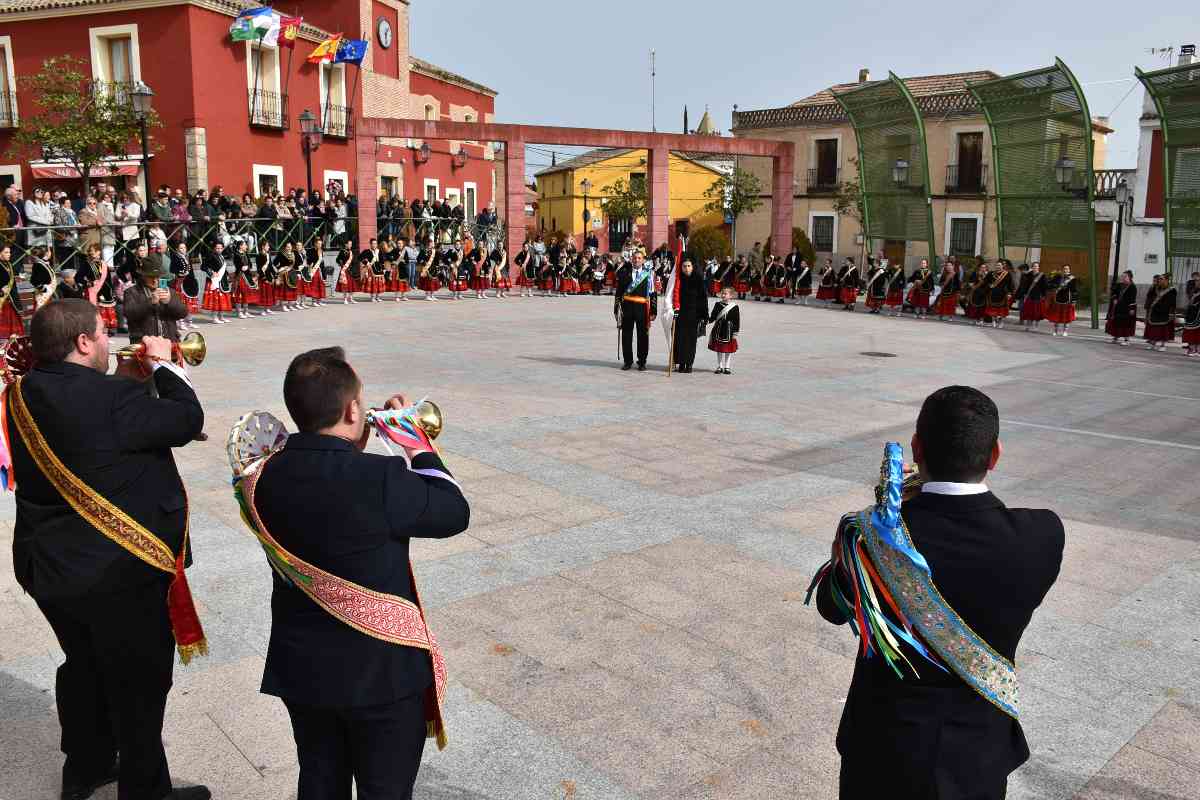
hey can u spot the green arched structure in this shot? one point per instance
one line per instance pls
(1176, 95)
(1041, 133)
(893, 162)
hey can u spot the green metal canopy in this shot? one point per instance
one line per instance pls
(1176, 95)
(893, 166)
(1042, 155)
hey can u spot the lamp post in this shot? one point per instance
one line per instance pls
(1122, 196)
(140, 97)
(900, 173)
(586, 185)
(310, 139)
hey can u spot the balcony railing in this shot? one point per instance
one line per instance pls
(1107, 180)
(268, 110)
(8, 110)
(966, 181)
(823, 181)
(338, 121)
(117, 92)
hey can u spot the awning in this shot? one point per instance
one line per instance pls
(68, 172)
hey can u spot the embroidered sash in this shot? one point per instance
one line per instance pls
(877, 553)
(386, 617)
(117, 526)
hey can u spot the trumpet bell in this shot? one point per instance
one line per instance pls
(193, 349)
(430, 418)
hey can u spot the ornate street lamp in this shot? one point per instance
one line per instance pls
(1122, 197)
(586, 185)
(310, 139)
(459, 160)
(900, 172)
(139, 100)
(1064, 172)
(422, 154)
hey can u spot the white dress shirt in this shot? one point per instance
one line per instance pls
(949, 487)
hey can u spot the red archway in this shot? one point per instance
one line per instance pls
(657, 146)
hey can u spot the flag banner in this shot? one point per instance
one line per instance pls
(256, 24)
(351, 51)
(325, 52)
(289, 29)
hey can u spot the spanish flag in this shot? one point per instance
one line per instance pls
(326, 51)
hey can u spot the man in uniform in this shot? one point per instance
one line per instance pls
(103, 582)
(636, 307)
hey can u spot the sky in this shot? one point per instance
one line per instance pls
(587, 64)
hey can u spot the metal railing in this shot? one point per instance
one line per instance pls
(8, 110)
(820, 181)
(117, 91)
(337, 121)
(966, 181)
(268, 109)
(1108, 179)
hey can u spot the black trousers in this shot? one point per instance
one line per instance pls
(685, 341)
(634, 317)
(379, 747)
(862, 778)
(112, 689)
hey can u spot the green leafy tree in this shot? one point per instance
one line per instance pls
(800, 244)
(848, 202)
(76, 119)
(707, 243)
(735, 194)
(625, 200)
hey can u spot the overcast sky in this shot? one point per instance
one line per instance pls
(587, 64)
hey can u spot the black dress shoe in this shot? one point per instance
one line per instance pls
(84, 791)
(641, 367)
(627, 366)
(190, 793)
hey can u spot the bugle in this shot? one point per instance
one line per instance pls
(191, 348)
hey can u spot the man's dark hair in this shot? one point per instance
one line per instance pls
(958, 426)
(57, 325)
(317, 388)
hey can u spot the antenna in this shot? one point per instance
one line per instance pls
(653, 126)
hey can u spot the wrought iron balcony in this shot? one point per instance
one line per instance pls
(823, 181)
(1107, 180)
(8, 110)
(337, 121)
(115, 91)
(966, 182)
(268, 110)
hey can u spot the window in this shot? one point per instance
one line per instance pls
(970, 162)
(335, 115)
(336, 180)
(268, 107)
(432, 187)
(827, 162)
(962, 234)
(469, 203)
(8, 85)
(116, 62)
(388, 185)
(267, 178)
(10, 175)
(430, 113)
(821, 232)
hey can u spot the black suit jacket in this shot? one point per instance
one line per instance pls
(351, 514)
(934, 734)
(117, 439)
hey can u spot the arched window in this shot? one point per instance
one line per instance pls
(429, 112)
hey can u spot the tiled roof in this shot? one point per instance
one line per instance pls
(605, 153)
(920, 86)
(434, 71)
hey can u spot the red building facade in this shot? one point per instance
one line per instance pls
(230, 110)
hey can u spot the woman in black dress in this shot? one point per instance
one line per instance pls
(1122, 310)
(690, 302)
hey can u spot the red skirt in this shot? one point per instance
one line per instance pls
(847, 295)
(288, 294)
(192, 303)
(316, 287)
(216, 300)
(826, 292)
(376, 284)
(947, 304)
(428, 284)
(1033, 311)
(11, 324)
(1160, 333)
(741, 287)
(777, 291)
(803, 291)
(503, 283)
(523, 281)
(918, 298)
(570, 286)
(722, 347)
(109, 314)
(998, 311)
(346, 282)
(973, 311)
(546, 284)
(457, 285)
(246, 296)
(399, 285)
(1060, 313)
(895, 297)
(1124, 328)
(874, 302)
(714, 287)
(481, 282)
(267, 296)
(1191, 335)
(585, 287)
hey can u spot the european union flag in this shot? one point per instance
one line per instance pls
(351, 51)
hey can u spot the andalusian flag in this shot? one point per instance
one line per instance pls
(256, 24)
(326, 51)
(289, 29)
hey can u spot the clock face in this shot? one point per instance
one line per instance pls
(385, 33)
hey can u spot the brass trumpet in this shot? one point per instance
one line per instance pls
(190, 348)
(426, 414)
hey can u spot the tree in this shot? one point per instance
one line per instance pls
(708, 243)
(800, 244)
(848, 202)
(735, 194)
(78, 120)
(624, 200)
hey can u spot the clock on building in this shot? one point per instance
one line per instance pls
(384, 32)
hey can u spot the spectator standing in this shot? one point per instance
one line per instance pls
(66, 234)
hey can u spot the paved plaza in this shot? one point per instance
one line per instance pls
(624, 618)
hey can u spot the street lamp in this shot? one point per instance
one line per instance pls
(422, 154)
(459, 160)
(1064, 172)
(139, 97)
(310, 139)
(1122, 197)
(900, 172)
(586, 185)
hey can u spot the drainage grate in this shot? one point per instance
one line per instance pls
(877, 354)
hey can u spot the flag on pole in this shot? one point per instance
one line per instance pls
(351, 51)
(289, 29)
(255, 24)
(325, 52)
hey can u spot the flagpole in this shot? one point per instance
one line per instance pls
(257, 66)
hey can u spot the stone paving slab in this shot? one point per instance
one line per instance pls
(625, 617)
